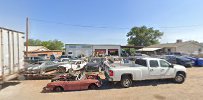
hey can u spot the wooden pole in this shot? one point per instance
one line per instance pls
(27, 25)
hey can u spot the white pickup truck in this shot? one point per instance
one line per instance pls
(144, 69)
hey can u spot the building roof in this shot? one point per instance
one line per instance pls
(148, 49)
(11, 30)
(96, 44)
(136, 47)
(174, 44)
(37, 48)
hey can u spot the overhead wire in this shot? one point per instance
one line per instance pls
(77, 25)
(107, 27)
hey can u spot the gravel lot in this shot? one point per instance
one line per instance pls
(192, 89)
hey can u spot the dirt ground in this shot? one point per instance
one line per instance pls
(192, 89)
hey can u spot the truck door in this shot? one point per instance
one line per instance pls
(154, 69)
(165, 70)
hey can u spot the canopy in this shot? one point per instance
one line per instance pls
(148, 49)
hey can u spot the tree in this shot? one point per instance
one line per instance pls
(33, 42)
(54, 45)
(51, 44)
(143, 36)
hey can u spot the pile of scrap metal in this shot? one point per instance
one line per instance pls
(50, 69)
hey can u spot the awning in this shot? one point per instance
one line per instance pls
(148, 49)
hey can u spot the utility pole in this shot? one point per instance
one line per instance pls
(27, 28)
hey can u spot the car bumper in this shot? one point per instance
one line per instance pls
(46, 89)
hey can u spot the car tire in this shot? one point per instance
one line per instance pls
(58, 89)
(92, 87)
(126, 82)
(179, 78)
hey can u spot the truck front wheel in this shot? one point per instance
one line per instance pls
(179, 78)
(126, 82)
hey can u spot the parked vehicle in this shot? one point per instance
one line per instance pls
(33, 60)
(74, 64)
(64, 57)
(181, 60)
(199, 62)
(95, 65)
(81, 82)
(43, 66)
(144, 69)
(184, 61)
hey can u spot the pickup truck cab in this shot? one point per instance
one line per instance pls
(144, 69)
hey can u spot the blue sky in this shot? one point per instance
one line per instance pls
(178, 19)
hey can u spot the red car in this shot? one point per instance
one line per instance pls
(82, 82)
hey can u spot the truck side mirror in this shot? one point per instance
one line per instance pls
(171, 66)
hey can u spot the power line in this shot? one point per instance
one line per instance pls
(107, 27)
(182, 26)
(77, 25)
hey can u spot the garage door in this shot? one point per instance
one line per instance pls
(113, 52)
(100, 51)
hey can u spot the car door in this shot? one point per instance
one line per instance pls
(72, 85)
(165, 70)
(53, 66)
(48, 66)
(84, 84)
(154, 69)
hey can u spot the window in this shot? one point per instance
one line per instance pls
(154, 63)
(141, 62)
(86, 46)
(164, 63)
(63, 56)
(113, 52)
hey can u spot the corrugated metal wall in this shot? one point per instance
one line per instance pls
(11, 56)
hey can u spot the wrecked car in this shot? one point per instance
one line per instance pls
(42, 67)
(74, 64)
(95, 65)
(81, 82)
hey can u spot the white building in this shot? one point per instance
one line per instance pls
(75, 50)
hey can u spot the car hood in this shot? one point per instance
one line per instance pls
(34, 67)
(179, 67)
